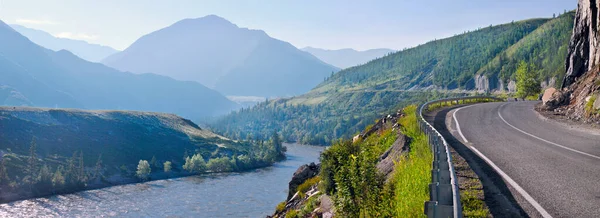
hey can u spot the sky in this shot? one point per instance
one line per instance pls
(329, 24)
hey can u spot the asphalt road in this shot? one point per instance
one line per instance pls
(552, 167)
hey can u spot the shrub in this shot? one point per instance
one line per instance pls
(280, 207)
(167, 166)
(291, 214)
(221, 164)
(195, 164)
(143, 170)
(304, 187)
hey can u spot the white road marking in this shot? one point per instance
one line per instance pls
(458, 125)
(504, 176)
(544, 140)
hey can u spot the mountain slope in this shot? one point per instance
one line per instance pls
(220, 55)
(75, 150)
(45, 78)
(83, 49)
(353, 97)
(344, 58)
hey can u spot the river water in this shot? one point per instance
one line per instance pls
(247, 194)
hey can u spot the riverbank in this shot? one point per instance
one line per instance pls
(239, 194)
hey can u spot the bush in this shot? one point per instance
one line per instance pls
(222, 164)
(143, 170)
(291, 214)
(280, 207)
(195, 164)
(167, 166)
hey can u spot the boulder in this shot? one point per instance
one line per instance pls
(302, 174)
(548, 94)
(559, 98)
(597, 102)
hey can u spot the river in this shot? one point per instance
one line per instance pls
(248, 194)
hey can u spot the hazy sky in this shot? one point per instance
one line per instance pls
(330, 24)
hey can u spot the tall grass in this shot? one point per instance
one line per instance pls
(413, 172)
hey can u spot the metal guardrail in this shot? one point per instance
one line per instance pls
(444, 196)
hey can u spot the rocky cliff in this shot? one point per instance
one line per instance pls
(583, 52)
(581, 85)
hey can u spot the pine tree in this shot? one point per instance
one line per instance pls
(82, 178)
(98, 172)
(32, 163)
(4, 179)
(58, 180)
(153, 162)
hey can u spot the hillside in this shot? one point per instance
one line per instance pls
(346, 102)
(234, 61)
(35, 76)
(83, 49)
(344, 58)
(105, 147)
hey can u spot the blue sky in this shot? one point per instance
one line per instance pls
(330, 24)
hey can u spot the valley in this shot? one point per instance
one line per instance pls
(237, 109)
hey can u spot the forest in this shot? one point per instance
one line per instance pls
(349, 100)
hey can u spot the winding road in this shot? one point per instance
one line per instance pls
(551, 169)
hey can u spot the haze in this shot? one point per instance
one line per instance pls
(330, 24)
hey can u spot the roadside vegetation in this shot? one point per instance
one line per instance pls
(349, 174)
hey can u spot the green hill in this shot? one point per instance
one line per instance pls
(346, 102)
(90, 149)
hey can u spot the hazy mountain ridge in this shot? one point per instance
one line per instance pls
(220, 55)
(83, 49)
(344, 58)
(60, 79)
(352, 98)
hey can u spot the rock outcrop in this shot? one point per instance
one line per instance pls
(583, 47)
(303, 173)
(385, 165)
(581, 81)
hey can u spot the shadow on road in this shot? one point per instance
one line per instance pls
(497, 195)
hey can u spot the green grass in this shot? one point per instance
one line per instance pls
(412, 175)
(280, 207)
(304, 187)
(589, 106)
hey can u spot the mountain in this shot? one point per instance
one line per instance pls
(83, 49)
(344, 58)
(232, 60)
(34, 76)
(484, 60)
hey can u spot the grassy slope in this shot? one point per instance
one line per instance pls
(120, 138)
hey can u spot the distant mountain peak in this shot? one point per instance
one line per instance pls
(347, 57)
(219, 54)
(209, 20)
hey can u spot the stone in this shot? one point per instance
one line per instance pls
(559, 98)
(302, 174)
(547, 95)
(597, 102)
